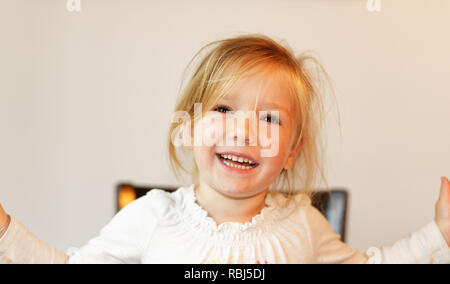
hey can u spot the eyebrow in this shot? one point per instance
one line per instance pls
(275, 106)
(267, 105)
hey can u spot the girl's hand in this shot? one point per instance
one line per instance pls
(442, 210)
(3, 219)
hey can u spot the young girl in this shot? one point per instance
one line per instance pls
(249, 202)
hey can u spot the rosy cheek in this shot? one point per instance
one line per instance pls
(209, 130)
(269, 140)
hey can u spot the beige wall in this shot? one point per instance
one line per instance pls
(85, 101)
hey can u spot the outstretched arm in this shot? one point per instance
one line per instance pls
(430, 244)
(19, 245)
(4, 221)
(122, 240)
(442, 210)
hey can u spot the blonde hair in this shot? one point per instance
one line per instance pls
(226, 62)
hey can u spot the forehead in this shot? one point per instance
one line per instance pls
(266, 88)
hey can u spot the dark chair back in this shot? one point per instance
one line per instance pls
(332, 204)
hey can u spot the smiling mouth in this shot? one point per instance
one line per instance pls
(234, 162)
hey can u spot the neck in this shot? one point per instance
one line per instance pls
(227, 209)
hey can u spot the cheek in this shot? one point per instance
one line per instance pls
(201, 155)
(207, 134)
(204, 158)
(274, 140)
(208, 131)
(282, 152)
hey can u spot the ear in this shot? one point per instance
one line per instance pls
(293, 155)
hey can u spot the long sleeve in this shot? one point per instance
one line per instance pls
(426, 245)
(122, 240)
(19, 245)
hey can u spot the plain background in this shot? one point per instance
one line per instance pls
(86, 100)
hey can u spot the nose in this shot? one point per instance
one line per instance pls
(241, 129)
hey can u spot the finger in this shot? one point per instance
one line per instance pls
(445, 189)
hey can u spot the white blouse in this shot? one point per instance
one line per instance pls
(163, 227)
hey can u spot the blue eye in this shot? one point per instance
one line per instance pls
(222, 109)
(272, 119)
(268, 118)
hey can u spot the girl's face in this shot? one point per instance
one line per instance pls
(216, 169)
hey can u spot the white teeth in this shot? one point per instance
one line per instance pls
(237, 159)
(237, 166)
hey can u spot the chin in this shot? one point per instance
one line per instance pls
(238, 191)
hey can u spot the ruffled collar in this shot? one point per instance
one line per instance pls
(197, 217)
